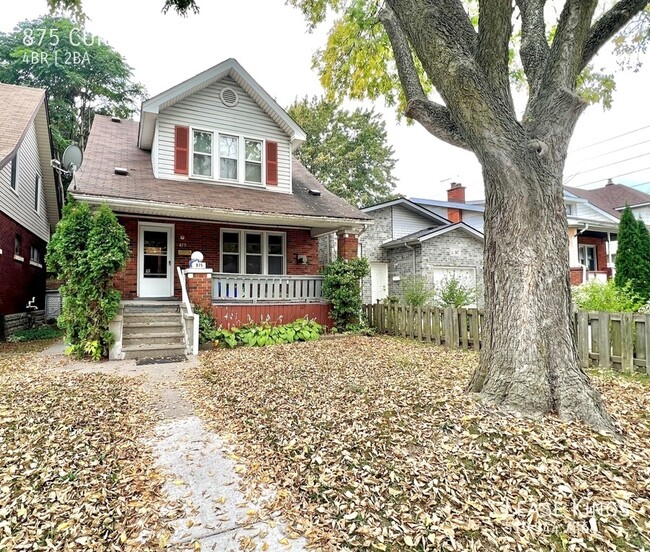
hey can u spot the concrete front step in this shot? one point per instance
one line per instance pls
(149, 318)
(155, 350)
(153, 337)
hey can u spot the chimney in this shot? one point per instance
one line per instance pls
(609, 182)
(455, 194)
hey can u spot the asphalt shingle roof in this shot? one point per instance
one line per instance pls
(610, 197)
(112, 145)
(18, 107)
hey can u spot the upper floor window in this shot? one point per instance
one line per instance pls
(253, 160)
(37, 192)
(202, 158)
(228, 157)
(35, 256)
(18, 247)
(14, 173)
(568, 209)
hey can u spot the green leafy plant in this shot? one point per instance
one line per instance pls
(342, 287)
(34, 334)
(452, 292)
(86, 251)
(207, 325)
(417, 291)
(607, 296)
(266, 333)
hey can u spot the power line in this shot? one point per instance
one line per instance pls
(611, 151)
(615, 163)
(612, 177)
(610, 139)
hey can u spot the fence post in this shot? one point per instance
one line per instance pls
(627, 347)
(463, 328)
(583, 338)
(604, 358)
(474, 332)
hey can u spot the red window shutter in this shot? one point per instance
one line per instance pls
(181, 150)
(272, 163)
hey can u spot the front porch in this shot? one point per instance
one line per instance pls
(592, 253)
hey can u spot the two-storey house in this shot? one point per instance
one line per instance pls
(30, 200)
(209, 168)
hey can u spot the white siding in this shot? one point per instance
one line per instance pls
(154, 152)
(407, 222)
(20, 206)
(584, 211)
(474, 219)
(204, 110)
(643, 213)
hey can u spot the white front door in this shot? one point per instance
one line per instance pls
(156, 260)
(378, 281)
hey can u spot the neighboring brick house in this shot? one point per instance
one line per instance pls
(30, 199)
(209, 168)
(408, 240)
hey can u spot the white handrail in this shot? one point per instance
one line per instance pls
(184, 295)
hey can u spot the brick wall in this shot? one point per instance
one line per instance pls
(380, 232)
(205, 237)
(348, 246)
(601, 249)
(19, 280)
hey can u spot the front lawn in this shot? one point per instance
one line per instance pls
(73, 475)
(373, 445)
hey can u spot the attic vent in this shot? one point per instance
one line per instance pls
(116, 119)
(121, 171)
(314, 192)
(229, 97)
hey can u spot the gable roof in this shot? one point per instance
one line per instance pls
(228, 68)
(408, 204)
(479, 208)
(428, 233)
(113, 145)
(612, 197)
(19, 106)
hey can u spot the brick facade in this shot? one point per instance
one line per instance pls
(348, 246)
(601, 249)
(205, 237)
(20, 280)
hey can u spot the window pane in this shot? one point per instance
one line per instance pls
(202, 164)
(253, 264)
(275, 245)
(230, 263)
(229, 168)
(275, 265)
(203, 142)
(229, 147)
(254, 243)
(253, 172)
(230, 242)
(253, 151)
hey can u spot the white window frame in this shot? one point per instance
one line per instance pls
(212, 155)
(590, 246)
(38, 261)
(14, 163)
(37, 193)
(265, 250)
(216, 157)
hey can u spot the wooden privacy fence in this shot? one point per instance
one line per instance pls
(619, 341)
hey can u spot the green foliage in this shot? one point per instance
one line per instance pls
(342, 287)
(34, 334)
(606, 297)
(207, 324)
(633, 255)
(86, 251)
(260, 335)
(452, 292)
(346, 150)
(417, 292)
(86, 77)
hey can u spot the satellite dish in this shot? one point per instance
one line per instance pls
(72, 158)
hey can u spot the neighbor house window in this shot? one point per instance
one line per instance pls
(202, 158)
(253, 161)
(18, 246)
(568, 209)
(252, 252)
(37, 192)
(587, 256)
(228, 157)
(14, 173)
(35, 256)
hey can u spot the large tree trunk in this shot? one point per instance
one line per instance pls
(529, 363)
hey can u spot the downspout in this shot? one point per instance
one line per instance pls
(412, 249)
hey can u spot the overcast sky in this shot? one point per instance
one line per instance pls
(270, 40)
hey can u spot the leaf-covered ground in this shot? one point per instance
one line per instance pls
(373, 445)
(73, 474)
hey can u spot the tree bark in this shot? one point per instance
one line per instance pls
(529, 363)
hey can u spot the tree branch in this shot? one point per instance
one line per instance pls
(492, 48)
(432, 116)
(534, 49)
(608, 25)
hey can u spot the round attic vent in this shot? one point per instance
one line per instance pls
(229, 97)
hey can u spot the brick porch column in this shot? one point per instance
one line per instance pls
(199, 287)
(348, 245)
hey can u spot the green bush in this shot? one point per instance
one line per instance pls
(417, 292)
(86, 251)
(452, 292)
(342, 288)
(633, 255)
(34, 334)
(607, 296)
(207, 325)
(260, 335)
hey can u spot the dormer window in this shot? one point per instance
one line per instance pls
(202, 159)
(253, 160)
(228, 157)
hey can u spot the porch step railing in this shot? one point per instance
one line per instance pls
(256, 288)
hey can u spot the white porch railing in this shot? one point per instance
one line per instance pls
(256, 288)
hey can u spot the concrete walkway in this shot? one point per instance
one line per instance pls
(202, 476)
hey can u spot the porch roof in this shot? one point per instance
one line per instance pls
(113, 145)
